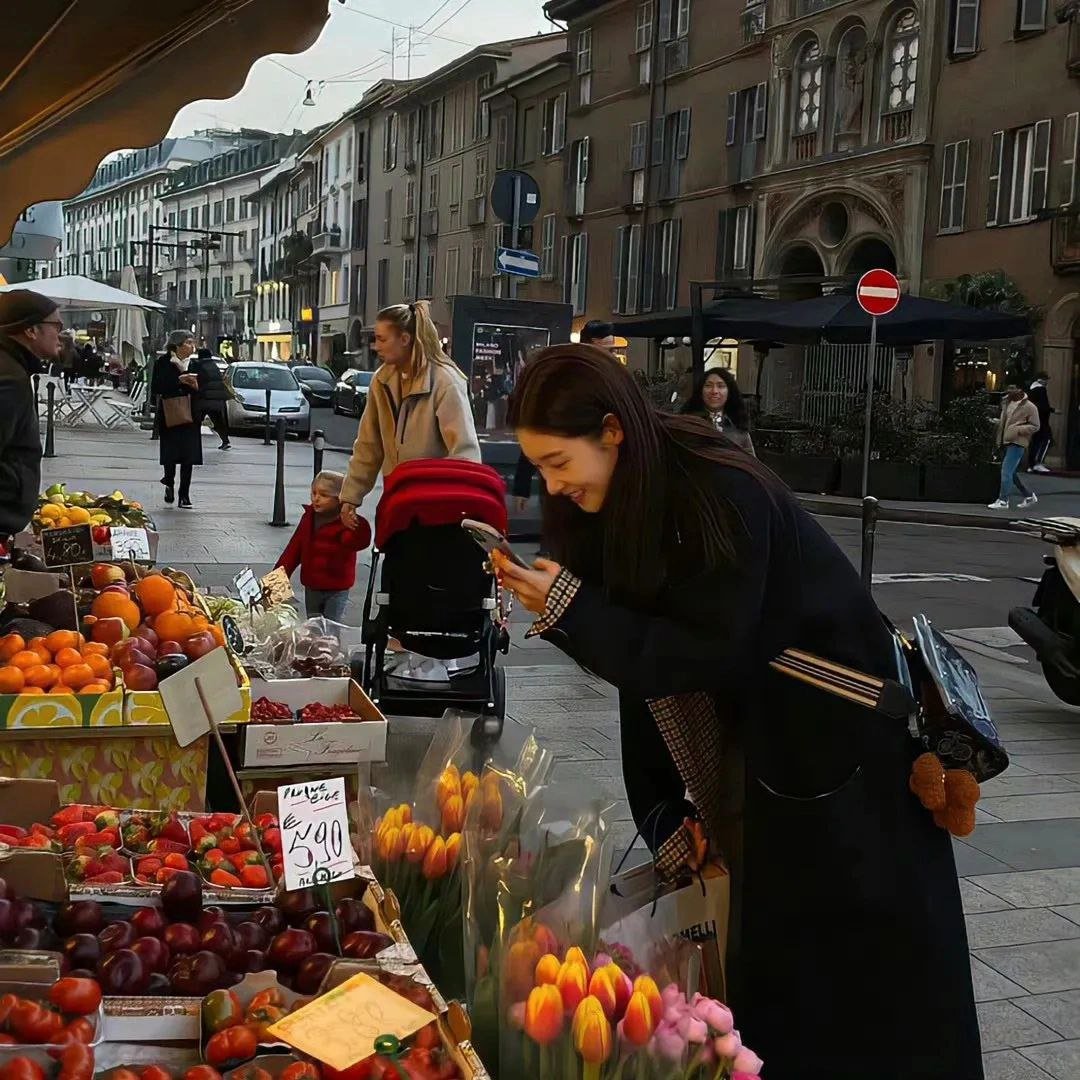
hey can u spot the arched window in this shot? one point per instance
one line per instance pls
(902, 60)
(808, 89)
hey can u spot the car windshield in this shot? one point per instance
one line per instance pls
(359, 378)
(263, 378)
(313, 374)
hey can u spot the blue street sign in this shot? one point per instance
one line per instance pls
(521, 263)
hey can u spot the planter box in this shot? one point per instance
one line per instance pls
(888, 479)
(813, 473)
(961, 483)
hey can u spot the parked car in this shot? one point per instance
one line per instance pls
(350, 393)
(317, 383)
(250, 382)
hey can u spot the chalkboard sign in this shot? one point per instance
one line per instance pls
(68, 546)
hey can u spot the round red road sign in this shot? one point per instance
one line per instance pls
(878, 292)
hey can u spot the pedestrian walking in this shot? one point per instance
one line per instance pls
(213, 395)
(716, 398)
(417, 405)
(29, 340)
(1042, 439)
(845, 899)
(175, 385)
(1018, 422)
(325, 550)
(68, 360)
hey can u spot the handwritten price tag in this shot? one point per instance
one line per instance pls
(129, 543)
(248, 587)
(315, 832)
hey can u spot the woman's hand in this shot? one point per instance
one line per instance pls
(348, 516)
(531, 587)
(190, 380)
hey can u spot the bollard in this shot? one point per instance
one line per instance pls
(37, 400)
(869, 526)
(50, 395)
(279, 480)
(266, 433)
(318, 442)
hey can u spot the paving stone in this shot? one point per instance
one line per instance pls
(970, 861)
(1043, 967)
(1010, 1065)
(1069, 911)
(976, 899)
(1034, 888)
(1041, 844)
(1065, 804)
(1061, 1059)
(1018, 926)
(1004, 1027)
(1007, 784)
(1058, 1011)
(991, 985)
(1014, 731)
(1048, 763)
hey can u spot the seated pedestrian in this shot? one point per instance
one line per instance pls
(325, 550)
(1019, 421)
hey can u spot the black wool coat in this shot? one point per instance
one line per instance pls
(180, 445)
(20, 440)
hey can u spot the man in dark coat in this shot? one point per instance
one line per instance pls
(29, 339)
(1041, 440)
(213, 394)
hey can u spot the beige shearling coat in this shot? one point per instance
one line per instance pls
(405, 420)
(1019, 421)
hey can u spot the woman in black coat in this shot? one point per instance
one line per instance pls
(180, 444)
(213, 394)
(681, 568)
(716, 398)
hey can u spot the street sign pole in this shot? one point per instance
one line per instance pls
(869, 406)
(514, 229)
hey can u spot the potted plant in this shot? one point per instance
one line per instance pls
(801, 456)
(895, 443)
(958, 465)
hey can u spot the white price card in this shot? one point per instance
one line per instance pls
(248, 587)
(315, 832)
(128, 543)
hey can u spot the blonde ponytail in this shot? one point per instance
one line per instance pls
(427, 347)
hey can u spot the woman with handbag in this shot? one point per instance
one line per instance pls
(174, 386)
(680, 568)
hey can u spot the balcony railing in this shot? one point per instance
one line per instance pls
(676, 56)
(408, 227)
(327, 242)
(478, 210)
(804, 147)
(895, 127)
(431, 222)
(754, 22)
(1065, 241)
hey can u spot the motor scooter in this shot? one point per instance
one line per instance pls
(1051, 626)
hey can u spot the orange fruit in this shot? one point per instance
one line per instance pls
(200, 623)
(59, 688)
(77, 676)
(173, 626)
(54, 671)
(12, 680)
(25, 659)
(217, 633)
(155, 594)
(100, 666)
(10, 644)
(94, 648)
(43, 653)
(36, 643)
(115, 605)
(68, 656)
(32, 690)
(64, 639)
(39, 675)
(95, 688)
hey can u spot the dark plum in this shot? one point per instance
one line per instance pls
(354, 914)
(270, 919)
(290, 949)
(123, 974)
(117, 935)
(182, 938)
(80, 917)
(210, 916)
(310, 974)
(250, 935)
(149, 922)
(181, 897)
(154, 954)
(321, 928)
(82, 951)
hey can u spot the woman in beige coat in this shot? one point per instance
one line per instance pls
(1018, 422)
(417, 405)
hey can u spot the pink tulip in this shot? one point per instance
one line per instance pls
(746, 1061)
(717, 1016)
(727, 1046)
(672, 995)
(668, 1043)
(692, 1029)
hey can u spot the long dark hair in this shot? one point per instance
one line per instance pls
(734, 407)
(660, 488)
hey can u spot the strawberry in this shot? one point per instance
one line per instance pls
(175, 861)
(68, 834)
(165, 873)
(108, 877)
(215, 856)
(108, 819)
(37, 842)
(206, 843)
(68, 815)
(198, 831)
(266, 821)
(11, 832)
(254, 877)
(37, 829)
(229, 844)
(224, 879)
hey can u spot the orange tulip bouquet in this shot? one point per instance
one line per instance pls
(592, 1021)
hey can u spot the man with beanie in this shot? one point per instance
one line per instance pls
(29, 340)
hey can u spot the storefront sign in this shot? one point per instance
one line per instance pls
(315, 833)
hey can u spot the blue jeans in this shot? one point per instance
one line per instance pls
(329, 604)
(1010, 463)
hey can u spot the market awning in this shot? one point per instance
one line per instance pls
(84, 294)
(82, 78)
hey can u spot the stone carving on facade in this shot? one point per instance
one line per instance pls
(778, 202)
(850, 86)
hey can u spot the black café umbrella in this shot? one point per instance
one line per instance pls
(747, 318)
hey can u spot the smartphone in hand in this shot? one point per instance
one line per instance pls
(491, 539)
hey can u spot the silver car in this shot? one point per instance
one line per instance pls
(250, 382)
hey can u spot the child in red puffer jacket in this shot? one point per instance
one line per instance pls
(325, 550)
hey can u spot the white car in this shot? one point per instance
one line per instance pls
(250, 382)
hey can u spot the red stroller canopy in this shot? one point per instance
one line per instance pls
(439, 491)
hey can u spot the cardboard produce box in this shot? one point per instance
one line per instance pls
(297, 743)
(144, 708)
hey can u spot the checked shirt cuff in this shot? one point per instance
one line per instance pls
(560, 596)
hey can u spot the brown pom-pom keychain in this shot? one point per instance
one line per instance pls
(951, 794)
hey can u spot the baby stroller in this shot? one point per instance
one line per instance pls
(435, 596)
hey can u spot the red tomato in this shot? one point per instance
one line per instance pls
(7, 1003)
(122, 1074)
(155, 1072)
(33, 1023)
(202, 1072)
(77, 1063)
(234, 1044)
(250, 1072)
(22, 1068)
(78, 1031)
(76, 997)
(301, 1070)
(7, 1040)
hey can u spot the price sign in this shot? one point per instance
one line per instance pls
(70, 546)
(315, 832)
(276, 587)
(128, 543)
(248, 587)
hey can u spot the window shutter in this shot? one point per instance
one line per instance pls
(673, 263)
(560, 122)
(761, 110)
(682, 143)
(633, 270)
(648, 267)
(657, 155)
(1069, 140)
(582, 271)
(618, 275)
(1040, 166)
(966, 28)
(732, 117)
(665, 20)
(583, 170)
(959, 192)
(993, 187)
(948, 166)
(723, 244)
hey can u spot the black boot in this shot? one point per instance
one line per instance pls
(169, 494)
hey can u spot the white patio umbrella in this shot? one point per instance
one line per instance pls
(130, 323)
(82, 293)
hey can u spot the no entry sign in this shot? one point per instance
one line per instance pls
(878, 292)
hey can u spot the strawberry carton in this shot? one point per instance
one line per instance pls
(236, 870)
(161, 834)
(270, 841)
(37, 838)
(157, 869)
(105, 866)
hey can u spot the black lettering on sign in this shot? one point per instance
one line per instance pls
(67, 547)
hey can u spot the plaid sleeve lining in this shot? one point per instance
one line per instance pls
(673, 856)
(560, 596)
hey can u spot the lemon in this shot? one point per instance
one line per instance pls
(50, 512)
(79, 515)
(64, 522)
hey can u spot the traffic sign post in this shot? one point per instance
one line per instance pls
(515, 199)
(878, 293)
(519, 263)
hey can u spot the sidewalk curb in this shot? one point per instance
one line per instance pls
(827, 506)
